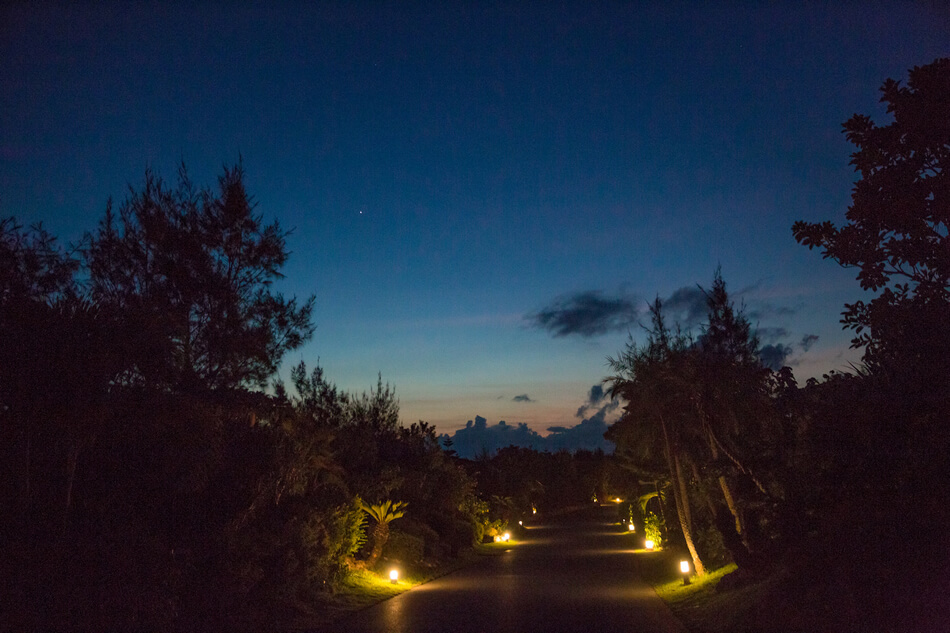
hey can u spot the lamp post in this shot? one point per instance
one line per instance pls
(684, 569)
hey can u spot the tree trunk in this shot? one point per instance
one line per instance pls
(707, 499)
(682, 500)
(726, 492)
(380, 536)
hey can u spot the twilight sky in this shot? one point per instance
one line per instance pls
(483, 198)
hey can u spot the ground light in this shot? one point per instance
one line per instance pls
(394, 576)
(684, 569)
(648, 544)
(631, 527)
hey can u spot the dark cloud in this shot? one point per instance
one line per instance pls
(774, 356)
(479, 438)
(769, 311)
(595, 396)
(807, 341)
(771, 334)
(686, 306)
(522, 398)
(586, 314)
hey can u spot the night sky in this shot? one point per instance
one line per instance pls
(483, 199)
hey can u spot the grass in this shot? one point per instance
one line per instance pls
(698, 605)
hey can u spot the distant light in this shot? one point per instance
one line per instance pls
(631, 527)
(534, 510)
(393, 576)
(649, 544)
(506, 537)
(520, 522)
(684, 566)
(618, 499)
(497, 539)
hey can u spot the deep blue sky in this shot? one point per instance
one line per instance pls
(472, 187)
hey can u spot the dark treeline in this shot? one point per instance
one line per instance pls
(837, 487)
(155, 473)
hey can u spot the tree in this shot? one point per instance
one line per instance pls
(897, 230)
(648, 379)
(193, 270)
(383, 513)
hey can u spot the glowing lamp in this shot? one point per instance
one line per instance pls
(684, 569)
(394, 576)
(506, 537)
(497, 539)
(534, 510)
(649, 544)
(520, 522)
(631, 527)
(618, 499)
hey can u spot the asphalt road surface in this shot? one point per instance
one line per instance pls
(575, 574)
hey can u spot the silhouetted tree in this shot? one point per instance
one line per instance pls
(897, 230)
(193, 270)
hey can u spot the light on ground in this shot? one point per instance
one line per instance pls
(506, 537)
(520, 522)
(631, 527)
(393, 576)
(649, 544)
(684, 569)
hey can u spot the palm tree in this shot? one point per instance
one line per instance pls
(383, 514)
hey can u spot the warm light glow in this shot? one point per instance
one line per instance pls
(534, 510)
(506, 537)
(497, 539)
(520, 522)
(393, 575)
(649, 544)
(618, 499)
(684, 566)
(631, 527)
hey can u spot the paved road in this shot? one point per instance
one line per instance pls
(574, 575)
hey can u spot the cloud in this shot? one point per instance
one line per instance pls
(807, 341)
(596, 398)
(480, 438)
(586, 314)
(768, 311)
(522, 398)
(771, 334)
(686, 306)
(774, 356)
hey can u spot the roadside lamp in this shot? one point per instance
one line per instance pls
(684, 569)
(631, 527)
(394, 576)
(506, 537)
(648, 544)
(520, 522)
(534, 510)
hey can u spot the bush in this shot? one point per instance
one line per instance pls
(403, 547)
(653, 529)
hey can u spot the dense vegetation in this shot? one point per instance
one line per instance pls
(157, 475)
(838, 486)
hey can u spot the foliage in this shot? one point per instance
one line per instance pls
(192, 270)
(653, 529)
(898, 222)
